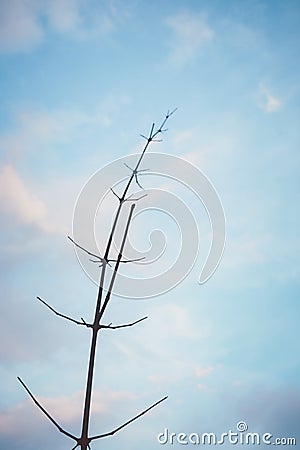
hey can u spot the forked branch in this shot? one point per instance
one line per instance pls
(100, 258)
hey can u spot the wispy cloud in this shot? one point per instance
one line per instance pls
(19, 25)
(17, 201)
(14, 421)
(24, 24)
(202, 372)
(268, 101)
(190, 32)
(37, 129)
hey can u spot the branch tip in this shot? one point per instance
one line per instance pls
(45, 412)
(129, 421)
(114, 327)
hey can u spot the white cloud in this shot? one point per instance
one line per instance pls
(64, 15)
(24, 23)
(37, 129)
(19, 26)
(175, 329)
(82, 19)
(21, 206)
(268, 101)
(190, 33)
(34, 141)
(24, 418)
(18, 201)
(202, 372)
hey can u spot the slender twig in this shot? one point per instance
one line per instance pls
(84, 249)
(46, 413)
(116, 195)
(63, 315)
(103, 260)
(124, 261)
(129, 199)
(114, 327)
(128, 422)
(135, 172)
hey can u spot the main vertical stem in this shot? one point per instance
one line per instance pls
(99, 311)
(89, 386)
(84, 440)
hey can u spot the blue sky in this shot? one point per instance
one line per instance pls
(79, 81)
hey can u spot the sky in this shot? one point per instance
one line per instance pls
(79, 82)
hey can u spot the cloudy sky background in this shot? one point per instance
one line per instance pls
(80, 80)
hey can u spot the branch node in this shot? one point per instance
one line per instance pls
(116, 195)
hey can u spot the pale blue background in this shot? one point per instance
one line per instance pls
(79, 80)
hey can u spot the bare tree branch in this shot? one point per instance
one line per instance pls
(84, 441)
(130, 199)
(112, 281)
(46, 413)
(122, 260)
(99, 309)
(128, 422)
(135, 173)
(102, 261)
(84, 249)
(116, 195)
(114, 327)
(64, 316)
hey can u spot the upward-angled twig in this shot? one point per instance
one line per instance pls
(99, 436)
(100, 258)
(63, 315)
(114, 327)
(46, 413)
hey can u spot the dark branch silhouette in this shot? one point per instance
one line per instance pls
(46, 413)
(103, 300)
(63, 315)
(103, 260)
(99, 436)
(114, 327)
(90, 325)
(99, 258)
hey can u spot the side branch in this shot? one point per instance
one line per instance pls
(46, 413)
(99, 258)
(114, 327)
(128, 422)
(89, 325)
